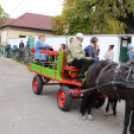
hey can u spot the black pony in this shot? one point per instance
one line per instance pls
(101, 73)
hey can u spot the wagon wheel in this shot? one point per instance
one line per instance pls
(99, 103)
(37, 85)
(64, 100)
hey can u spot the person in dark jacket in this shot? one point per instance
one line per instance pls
(27, 46)
(21, 45)
(93, 49)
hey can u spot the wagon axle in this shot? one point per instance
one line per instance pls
(62, 98)
(35, 84)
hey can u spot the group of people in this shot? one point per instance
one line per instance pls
(83, 59)
(40, 45)
(22, 45)
(75, 54)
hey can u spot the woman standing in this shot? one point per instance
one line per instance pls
(109, 56)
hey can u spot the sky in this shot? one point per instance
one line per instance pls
(45, 7)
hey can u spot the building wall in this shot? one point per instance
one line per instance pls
(16, 41)
(3, 37)
(14, 32)
(104, 42)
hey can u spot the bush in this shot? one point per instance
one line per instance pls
(1, 47)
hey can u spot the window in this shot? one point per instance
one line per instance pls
(22, 36)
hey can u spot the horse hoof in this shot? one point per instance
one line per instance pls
(131, 131)
(90, 118)
(115, 114)
(106, 114)
(84, 117)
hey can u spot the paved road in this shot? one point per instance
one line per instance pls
(22, 112)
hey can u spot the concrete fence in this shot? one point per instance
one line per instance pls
(104, 42)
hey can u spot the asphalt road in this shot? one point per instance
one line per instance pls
(23, 112)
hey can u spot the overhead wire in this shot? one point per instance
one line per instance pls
(17, 6)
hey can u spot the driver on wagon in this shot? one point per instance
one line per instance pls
(76, 56)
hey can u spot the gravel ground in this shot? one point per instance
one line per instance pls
(23, 112)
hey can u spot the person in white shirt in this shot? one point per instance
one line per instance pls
(109, 56)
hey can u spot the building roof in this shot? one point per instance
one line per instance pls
(31, 20)
(8, 20)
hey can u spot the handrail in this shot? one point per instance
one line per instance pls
(56, 53)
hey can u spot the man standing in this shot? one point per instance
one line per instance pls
(109, 56)
(76, 56)
(21, 45)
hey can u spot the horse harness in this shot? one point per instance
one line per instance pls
(117, 71)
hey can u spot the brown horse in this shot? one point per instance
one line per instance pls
(101, 73)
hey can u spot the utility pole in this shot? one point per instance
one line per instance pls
(66, 33)
(7, 35)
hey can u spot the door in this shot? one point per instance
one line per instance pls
(123, 49)
(31, 42)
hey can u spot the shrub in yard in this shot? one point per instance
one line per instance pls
(1, 47)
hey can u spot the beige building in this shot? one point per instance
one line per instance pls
(26, 25)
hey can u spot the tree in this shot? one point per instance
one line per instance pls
(58, 25)
(109, 16)
(3, 16)
(98, 16)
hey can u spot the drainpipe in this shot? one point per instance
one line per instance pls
(7, 35)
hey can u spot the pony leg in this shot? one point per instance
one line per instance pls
(90, 117)
(114, 107)
(107, 108)
(127, 115)
(84, 107)
(90, 103)
(132, 123)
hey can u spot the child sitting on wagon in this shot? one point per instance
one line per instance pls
(93, 50)
(62, 47)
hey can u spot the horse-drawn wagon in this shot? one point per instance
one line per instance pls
(64, 74)
(114, 83)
